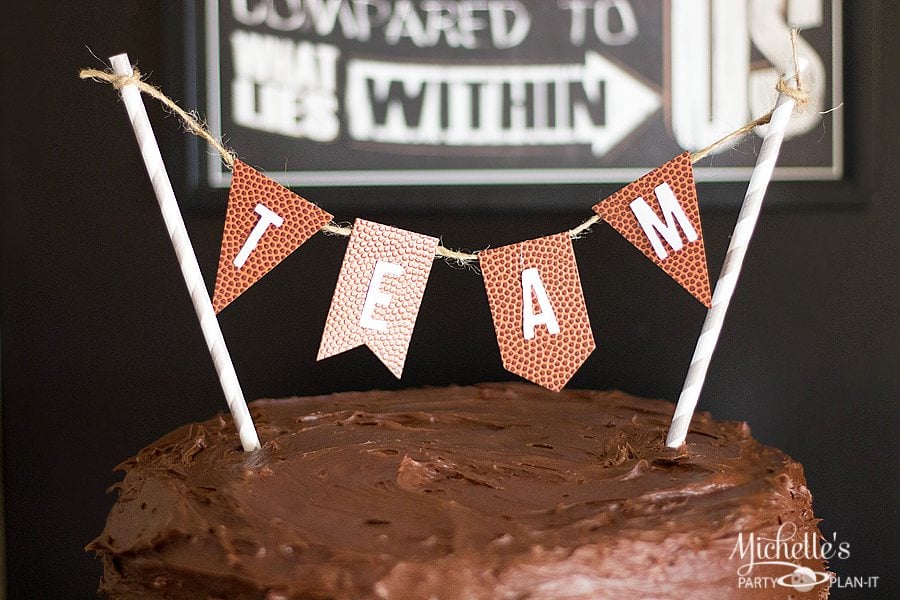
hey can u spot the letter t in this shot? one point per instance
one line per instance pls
(266, 217)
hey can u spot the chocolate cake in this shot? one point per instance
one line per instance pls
(494, 491)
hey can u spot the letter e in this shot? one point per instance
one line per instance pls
(374, 295)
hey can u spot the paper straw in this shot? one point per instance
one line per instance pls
(162, 187)
(734, 259)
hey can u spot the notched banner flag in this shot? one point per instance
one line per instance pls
(378, 293)
(264, 224)
(659, 214)
(538, 309)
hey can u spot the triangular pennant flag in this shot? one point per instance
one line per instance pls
(659, 214)
(538, 309)
(378, 293)
(264, 224)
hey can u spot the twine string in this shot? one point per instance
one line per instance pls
(193, 123)
(191, 120)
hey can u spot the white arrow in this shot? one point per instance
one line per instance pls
(629, 102)
(596, 103)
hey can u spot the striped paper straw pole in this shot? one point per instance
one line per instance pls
(734, 258)
(162, 187)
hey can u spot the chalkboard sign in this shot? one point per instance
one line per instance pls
(401, 92)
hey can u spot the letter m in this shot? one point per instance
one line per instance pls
(654, 227)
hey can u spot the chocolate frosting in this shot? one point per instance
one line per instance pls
(492, 491)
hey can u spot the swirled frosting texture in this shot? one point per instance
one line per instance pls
(494, 491)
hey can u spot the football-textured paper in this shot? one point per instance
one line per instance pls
(538, 309)
(378, 293)
(635, 208)
(264, 223)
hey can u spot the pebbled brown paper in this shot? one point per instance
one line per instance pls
(301, 219)
(547, 266)
(688, 265)
(374, 303)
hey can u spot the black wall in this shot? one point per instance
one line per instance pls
(101, 352)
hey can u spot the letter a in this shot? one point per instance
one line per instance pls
(533, 287)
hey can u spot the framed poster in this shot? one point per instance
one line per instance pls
(449, 92)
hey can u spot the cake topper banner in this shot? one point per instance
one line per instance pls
(533, 287)
(536, 281)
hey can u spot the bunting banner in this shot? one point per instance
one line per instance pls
(378, 293)
(264, 224)
(659, 214)
(533, 287)
(538, 309)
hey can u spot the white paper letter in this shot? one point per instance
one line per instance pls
(374, 295)
(710, 50)
(266, 217)
(652, 225)
(532, 285)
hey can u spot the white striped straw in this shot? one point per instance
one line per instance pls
(162, 187)
(734, 259)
